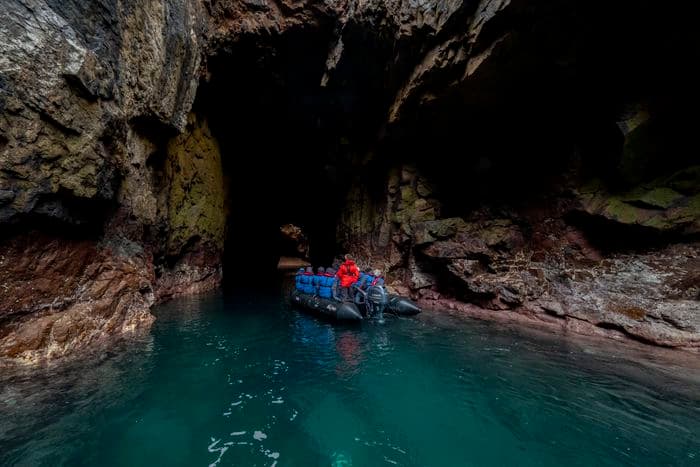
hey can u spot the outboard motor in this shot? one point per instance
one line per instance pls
(376, 302)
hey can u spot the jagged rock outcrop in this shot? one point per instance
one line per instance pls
(537, 262)
(61, 295)
(560, 189)
(72, 80)
(296, 242)
(89, 96)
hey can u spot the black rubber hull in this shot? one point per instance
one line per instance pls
(345, 311)
(401, 306)
(341, 311)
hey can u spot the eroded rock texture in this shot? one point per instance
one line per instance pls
(90, 94)
(548, 176)
(520, 156)
(60, 295)
(531, 261)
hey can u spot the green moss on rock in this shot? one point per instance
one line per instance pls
(359, 216)
(444, 228)
(423, 187)
(196, 196)
(394, 181)
(686, 181)
(408, 196)
(618, 210)
(660, 198)
(632, 312)
(652, 205)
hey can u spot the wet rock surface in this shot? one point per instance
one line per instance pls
(539, 266)
(61, 296)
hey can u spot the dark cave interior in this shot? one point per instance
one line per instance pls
(290, 146)
(265, 107)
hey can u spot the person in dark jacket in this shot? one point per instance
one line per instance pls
(361, 285)
(376, 298)
(371, 278)
(364, 275)
(347, 274)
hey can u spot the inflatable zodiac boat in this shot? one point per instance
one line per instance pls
(349, 311)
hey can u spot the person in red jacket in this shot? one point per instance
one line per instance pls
(348, 273)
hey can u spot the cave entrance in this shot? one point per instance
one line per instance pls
(266, 109)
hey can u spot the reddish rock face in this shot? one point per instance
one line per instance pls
(195, 272)
(59, 295)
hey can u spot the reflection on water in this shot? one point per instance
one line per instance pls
(348, 348)
(246, 381)
(43, 409)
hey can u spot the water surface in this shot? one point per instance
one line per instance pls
(246, 381)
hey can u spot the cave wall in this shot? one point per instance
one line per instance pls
(535, 168)
(111, 189)
(193, 208)
(547, 260)
(113, 195)
(112, 192)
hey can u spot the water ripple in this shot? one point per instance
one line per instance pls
(248, 382)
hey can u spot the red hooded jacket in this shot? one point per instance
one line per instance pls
(348, 273)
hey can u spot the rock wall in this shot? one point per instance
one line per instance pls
(112, 195)
(543, 261)
(193, 207)
(62, 295)
(536, 169)
(90, 96)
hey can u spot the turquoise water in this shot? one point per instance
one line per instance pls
(248, 382)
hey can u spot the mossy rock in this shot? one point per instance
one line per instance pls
(421, 234)
(688, 214)
(394, 181)
(622, 212)
(669, 203)
(495, 235)
(423, 187)
(686, 181)
(398, 217)
(443, 228)
(426, 214)
(632, 312)
(359, 216)
(422, 211)
(408, 196)
(491, 232)
(196, 196)
(656, 198)
(408, 174)
(660, 208)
